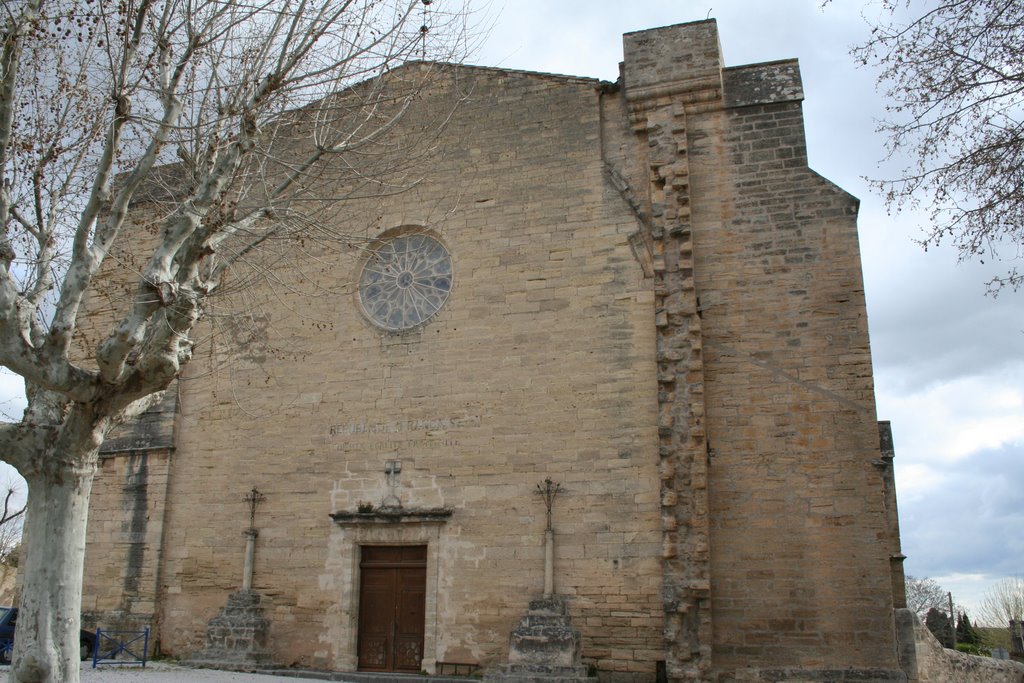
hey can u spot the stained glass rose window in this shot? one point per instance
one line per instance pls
(405, 281)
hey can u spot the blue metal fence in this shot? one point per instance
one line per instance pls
(111, 645)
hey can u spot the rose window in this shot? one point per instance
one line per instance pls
(405, 281)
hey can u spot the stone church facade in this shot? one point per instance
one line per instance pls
(637, 290)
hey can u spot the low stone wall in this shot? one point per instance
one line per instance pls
(805, 675)
(925, 660)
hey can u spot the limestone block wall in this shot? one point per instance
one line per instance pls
(926, 661)
(124, 540)
(761, 303)
(538, 366)
(656, 303)
(800, 566)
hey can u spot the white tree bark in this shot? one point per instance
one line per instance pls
(46, 647)
(93, 96)
(47, 644)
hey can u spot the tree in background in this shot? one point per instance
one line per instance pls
(96, 99)
(992, 638)
(941, 626)
(12, 519)
(1003, 602)
(966, 633)
(954, 78)
(923, 594)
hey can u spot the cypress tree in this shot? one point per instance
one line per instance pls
(940, 625)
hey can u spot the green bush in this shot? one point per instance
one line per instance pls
(971, 649)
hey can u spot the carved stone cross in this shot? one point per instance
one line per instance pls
(253, 498)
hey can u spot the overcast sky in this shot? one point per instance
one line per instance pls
(948, 360)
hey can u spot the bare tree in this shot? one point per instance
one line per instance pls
(95, 99)
(1003, 602)
(953, 73)
(12, 519)
(924, 594)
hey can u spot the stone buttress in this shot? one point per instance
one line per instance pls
(667, 75)
(761, 335)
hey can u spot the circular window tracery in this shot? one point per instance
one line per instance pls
(405, 281)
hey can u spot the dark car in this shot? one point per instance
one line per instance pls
(8, 622)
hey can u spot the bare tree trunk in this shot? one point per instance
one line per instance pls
(94, 99)
(47, 640)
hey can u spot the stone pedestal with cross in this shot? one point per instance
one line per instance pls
(544, 647)
(237, 637)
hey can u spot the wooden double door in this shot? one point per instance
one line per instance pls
(392, 607)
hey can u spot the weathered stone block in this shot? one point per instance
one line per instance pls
(237, 637)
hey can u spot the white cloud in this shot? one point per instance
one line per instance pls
(917, 480)
(967, 589)
(950, 421)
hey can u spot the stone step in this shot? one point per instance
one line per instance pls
(554, 605)
(523, 676)
(558, 632)
(545, 620)
(538, 678)
(543, 647)
(540, 674)
(577, 671)
(236, 638)
(362, 676)
(246, 665)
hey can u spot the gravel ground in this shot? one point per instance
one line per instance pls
(160, 672)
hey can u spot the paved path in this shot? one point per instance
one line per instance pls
(159, 672)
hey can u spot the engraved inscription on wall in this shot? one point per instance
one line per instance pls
(403, 434)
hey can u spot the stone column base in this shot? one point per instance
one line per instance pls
(236, 638)
(544, 647)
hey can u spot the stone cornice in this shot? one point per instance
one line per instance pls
(391, 515)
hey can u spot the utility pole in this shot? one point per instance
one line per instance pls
(952, 617)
